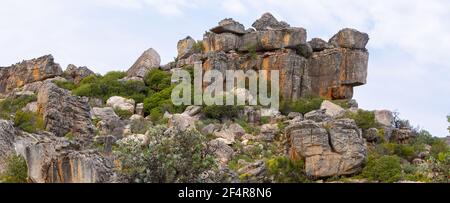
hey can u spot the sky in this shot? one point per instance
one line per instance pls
(409, 66)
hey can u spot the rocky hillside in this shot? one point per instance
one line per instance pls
(77, 126)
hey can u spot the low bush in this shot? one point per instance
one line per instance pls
(10, 106)
(219, 112)
(383, 168)
(123, 114)
(175, 157)
(303, 105)
(16, 170)
(364, 119)
(28, 121)
(284, 170)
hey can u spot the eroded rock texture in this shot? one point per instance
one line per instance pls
(338, 150)
(28, 71)
(328, 69)
(64, 113)
(7, 134)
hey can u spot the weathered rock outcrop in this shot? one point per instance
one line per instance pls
(340, 150)
(76, 74)
(54, 161)
(7, 134)
(328, 69)
(64, 113)
(28, 71)
(147, 61)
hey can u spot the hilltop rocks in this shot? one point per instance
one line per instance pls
(64, 113)
(268, 22)
(350, 38)
(185, 47)
(149, 60)
(28, 71)
(318, 44)
(228, 25)
(341, 151)
(76, 74)
(54, 162)
(334, 72)
(7, 134)
(384, 117)
(121, 103)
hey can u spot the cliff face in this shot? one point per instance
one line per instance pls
(28, 71)
(328, 69)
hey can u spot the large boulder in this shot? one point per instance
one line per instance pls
(350, 38)
(149, 60)
(121, 103)
(7, 134)
(221, 150)
(334, 72)
(384, 117)
(273, 39)
(181, 122)
(76, 74)
(332, 109)
(185, 47)
(221, 42)
(64, 113)
(269, 22)
(228, 25)
(28, 71)
(318, 44)
(341, 151)
(54, 162)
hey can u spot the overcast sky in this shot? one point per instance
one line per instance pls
(409, 66)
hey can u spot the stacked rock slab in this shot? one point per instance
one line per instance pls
(328, 69)
(27, 72)
(340, 150)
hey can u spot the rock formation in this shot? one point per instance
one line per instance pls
(76, 74)
(64, 113)
(7, 134)
(147, 61)
(27, 72)
(328, 69)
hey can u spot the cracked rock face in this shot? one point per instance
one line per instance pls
(64, 113)
(28, 71)
(340, 150)
(50, 162)
(149, 60)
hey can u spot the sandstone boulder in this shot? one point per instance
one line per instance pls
(269, 22)
(384, 117)
(181, 122)
(229, 25)
(28, 71)
(221, 150)
(318, 44)
(53, 162)
(121, 103)
(332, 109)
(350, 38)
(149, 60)
(317, 116)
(221, 42)
(341, 151)
(185, 47)
(76, 74)
(64, 113)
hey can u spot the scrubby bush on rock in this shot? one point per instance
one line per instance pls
(16, 170)
(28, 121)
(383, 168)
(10, 106)
(284, 170)
(303, 105)
(171, 157)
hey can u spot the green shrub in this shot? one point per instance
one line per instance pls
(284, 170)
(28, 121)
(342, 103)
(177, 157)
(384, 169)
(69, 136)
(404, 151)
(158, 103)
(364, 119)
(123, 114)
(109, 85)
(265, 119)
(158, 80)
(303, 105)
(68, 85)
(219, 112)
(10, 106)
(16, 170)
